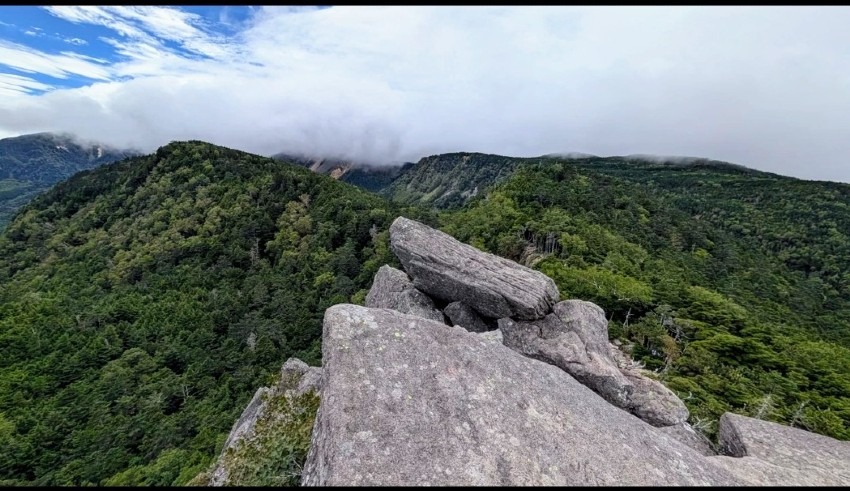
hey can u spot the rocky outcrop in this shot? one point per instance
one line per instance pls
(244, 427)
(572, 334)
(450, 270)
(461, 314)
(392, 289)
(270, 409)
(409, 401)
(575, 338)
(551, 340)
(771, 453)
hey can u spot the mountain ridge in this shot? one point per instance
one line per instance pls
(142, 303)
(30, 164)
(165, 287)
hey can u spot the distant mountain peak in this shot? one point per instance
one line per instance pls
(30, 164)
(365, 175)
(334, 167)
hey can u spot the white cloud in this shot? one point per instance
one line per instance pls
(763, 87)
(11, 84)
(61, 65)
(75, 41)
(98, 16)
(148, 26)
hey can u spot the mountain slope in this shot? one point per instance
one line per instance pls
(724, 277)
(806, 224)
(29, 164)
(450, 180)
(141, 304)
(740, 305)
(369, 177)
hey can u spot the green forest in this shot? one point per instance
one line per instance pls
(143, 302)
(740, 304)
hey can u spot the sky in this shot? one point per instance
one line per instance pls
(764, 87)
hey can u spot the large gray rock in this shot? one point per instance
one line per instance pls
(392, 289)
(574, 337)
(453, 271)
(465, 316)
(756, 472)
(654, 403)
(571, 347)
(799, 452)
(408, 401)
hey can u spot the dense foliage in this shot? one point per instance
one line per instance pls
(731, 284)
(142, 303)
(449, 180)
(30, 164)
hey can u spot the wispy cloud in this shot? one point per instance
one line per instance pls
(396, 83)
(63, 65)
(151, 27)
(11, 84)
(75, 41)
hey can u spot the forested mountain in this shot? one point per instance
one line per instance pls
(450, 180)
(30, 164)
(143, 302)
(731, 283)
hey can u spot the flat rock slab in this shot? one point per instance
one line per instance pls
(786, 447)
(392, 289)
(757, 472)
(408, 401)
(448, 269)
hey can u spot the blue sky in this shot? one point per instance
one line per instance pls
(765, 87)
(97, 37)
